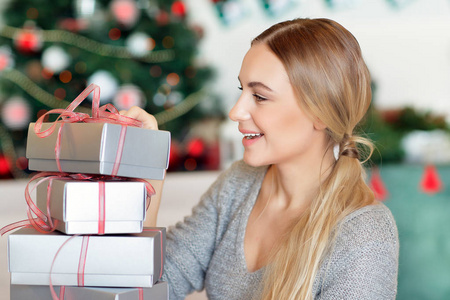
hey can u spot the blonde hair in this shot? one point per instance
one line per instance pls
(332, 83)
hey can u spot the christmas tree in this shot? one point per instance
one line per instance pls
(140, 52)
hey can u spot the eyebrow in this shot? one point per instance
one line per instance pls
(257, 84)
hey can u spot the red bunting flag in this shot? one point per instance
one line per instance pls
(431, 182)
(377, 185)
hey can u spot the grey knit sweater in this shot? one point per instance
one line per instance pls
(207, 249)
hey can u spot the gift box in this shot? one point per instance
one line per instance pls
(133, 260)
(85, 207)
(159, 291)
(92, 148)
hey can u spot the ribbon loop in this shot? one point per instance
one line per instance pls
(107, 113)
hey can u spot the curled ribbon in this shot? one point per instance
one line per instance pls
(107, 113)
(43, 222)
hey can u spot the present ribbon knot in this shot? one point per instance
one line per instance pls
(107, 113)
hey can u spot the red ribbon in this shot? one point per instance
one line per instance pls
(62, 291)
(101, 207)
(82, 261)
(104, 114)
(44, 223)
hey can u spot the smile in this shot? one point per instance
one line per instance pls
(250, 136)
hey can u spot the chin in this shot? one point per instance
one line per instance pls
(253, 162)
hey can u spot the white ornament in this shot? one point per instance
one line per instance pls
(16, 113)
(159, 99)
(175, 97)
(55, 59)
(139, 44)
(107, 83)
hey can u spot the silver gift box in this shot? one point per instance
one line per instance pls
(133, 260)
(75, 204)
(91, 148)
(159, 291)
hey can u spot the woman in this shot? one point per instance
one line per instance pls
(294, 219)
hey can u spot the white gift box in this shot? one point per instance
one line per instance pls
(133, 260)
(91, 148)
(75, 204)
(159, 291)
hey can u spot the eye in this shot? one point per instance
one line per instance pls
(240, 87)
(258, 97)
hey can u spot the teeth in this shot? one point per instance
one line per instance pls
(252, 135)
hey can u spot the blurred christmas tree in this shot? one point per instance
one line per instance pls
(140, 52)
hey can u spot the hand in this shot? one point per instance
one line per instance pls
(139, 114)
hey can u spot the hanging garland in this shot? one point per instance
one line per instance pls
(92, 46)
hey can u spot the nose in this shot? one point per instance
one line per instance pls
(239, 112)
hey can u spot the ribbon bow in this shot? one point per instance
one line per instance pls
(107, 113)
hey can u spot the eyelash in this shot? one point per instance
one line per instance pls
(256, 96)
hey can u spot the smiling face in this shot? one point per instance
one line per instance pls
(275, 129)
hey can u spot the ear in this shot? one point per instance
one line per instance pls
(319, 125)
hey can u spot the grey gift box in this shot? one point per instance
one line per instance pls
(132, 260)
(92, 147)
(159, 291)
(75, 204)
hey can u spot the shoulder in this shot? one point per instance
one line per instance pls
(372, 224)
(363, 263)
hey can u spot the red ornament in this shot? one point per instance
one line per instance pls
(125, 11)
(195, 147)
(175, 156)
(5, 165)
(179, 9)
(28, 41)
(5, 60)
(377, 185)
(431, 182)
(162, 18)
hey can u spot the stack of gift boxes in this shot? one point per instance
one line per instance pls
(100, 249)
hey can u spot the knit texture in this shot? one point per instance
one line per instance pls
(206, 250)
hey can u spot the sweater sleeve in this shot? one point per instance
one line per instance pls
(364, 262)
(191, 243)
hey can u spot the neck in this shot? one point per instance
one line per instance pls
(296, 184)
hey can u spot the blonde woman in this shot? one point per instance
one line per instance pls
(294, 219)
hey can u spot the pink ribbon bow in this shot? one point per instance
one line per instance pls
(107, 113)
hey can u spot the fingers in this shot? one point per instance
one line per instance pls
(148, 120)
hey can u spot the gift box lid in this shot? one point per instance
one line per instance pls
(75, 200)
(99, 142)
